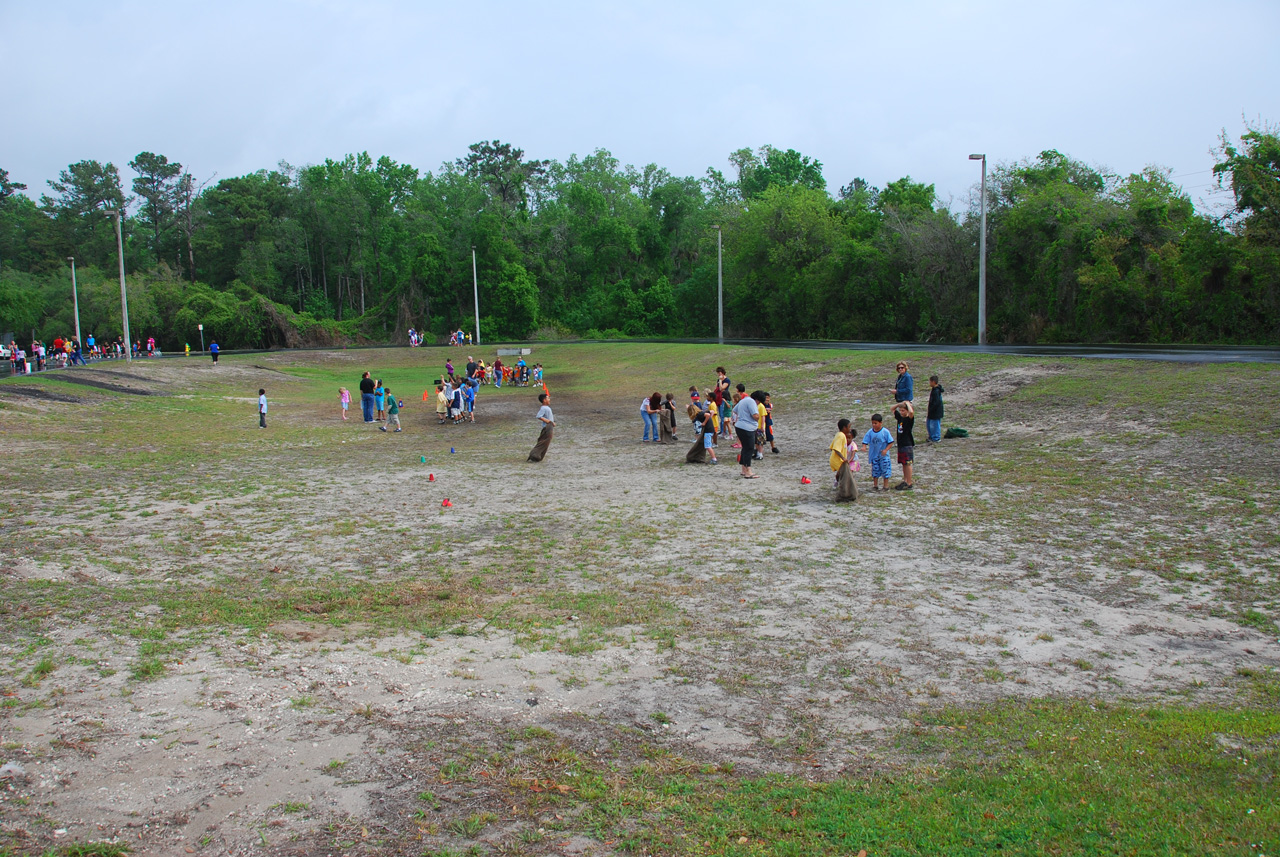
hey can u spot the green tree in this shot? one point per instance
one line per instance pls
(772, 167)
(157, 186)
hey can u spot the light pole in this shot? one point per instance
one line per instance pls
(720, 279)
(124, 298)
(200, 327)
(475, 286)
(75, 297)
(982, 255)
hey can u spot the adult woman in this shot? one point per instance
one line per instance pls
(746, 419)
(905, 389)
(651, 412)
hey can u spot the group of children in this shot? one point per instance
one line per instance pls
(456, 399)
(878, 440)
(519, 375)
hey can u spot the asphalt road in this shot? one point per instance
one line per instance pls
(1169, 353)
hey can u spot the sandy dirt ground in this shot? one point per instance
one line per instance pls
(611, 599)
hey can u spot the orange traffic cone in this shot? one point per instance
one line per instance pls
(431, 477)
(446, 503)
(805, 480)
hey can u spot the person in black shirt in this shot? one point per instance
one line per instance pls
(933, 418)
(905, 414)
(471, 367)
(366, 397)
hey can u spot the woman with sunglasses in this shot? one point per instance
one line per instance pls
(905, 389)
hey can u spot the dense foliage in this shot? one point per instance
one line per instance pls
(362, 250)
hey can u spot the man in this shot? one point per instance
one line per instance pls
(213, 351)
(471, 366)
(366, 397)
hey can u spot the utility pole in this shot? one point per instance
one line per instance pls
(982, 256)
(720, 279)
(75, 296)
(475, 286)
(124, 298)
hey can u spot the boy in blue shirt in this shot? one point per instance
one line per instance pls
(469, 386)
(877, 443)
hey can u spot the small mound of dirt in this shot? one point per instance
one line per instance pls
(42, 394)
(108, 386)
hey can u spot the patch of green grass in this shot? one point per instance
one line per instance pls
(42, 668)
(471, 826)
(96, 849)
(147, 668)
(1021, 778)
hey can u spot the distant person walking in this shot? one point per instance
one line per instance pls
(548, 421)
(905, 388)
(213, 352)
(262, 408)
(366, 397)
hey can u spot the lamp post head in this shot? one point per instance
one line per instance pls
(71, 258)
(977, 157)
(715, 226)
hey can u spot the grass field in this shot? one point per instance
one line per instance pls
(277, 641)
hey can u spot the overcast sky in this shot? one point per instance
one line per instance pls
(878, 90)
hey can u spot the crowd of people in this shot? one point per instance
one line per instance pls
(455, 397)
(722, 413)
(726, 411)
(61, 353)
(68, 351)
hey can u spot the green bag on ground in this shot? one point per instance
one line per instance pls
(956, 432)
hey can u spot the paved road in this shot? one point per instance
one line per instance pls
(1173, 353)
(1170, 353)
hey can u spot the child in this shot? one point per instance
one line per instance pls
(442, 404)
(379, 400)
(768, 423)
(842, 447)
(393, 411)
(455, 403)
(905, 414)
(548, 420)
(344, 396)
(262, 408)
(933, 416)
(877, 443)
(537, 374)
(469, 387)
(706, 427)
(497, 372)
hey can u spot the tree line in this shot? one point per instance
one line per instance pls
(361, 250)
